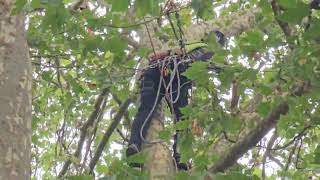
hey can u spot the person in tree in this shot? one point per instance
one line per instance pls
(162, 78)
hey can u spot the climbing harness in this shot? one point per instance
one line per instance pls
(162, 64)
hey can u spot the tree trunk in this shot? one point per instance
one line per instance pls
(15, 96)
(159, 162)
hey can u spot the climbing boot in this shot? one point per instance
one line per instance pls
(132, 150)
(181, 166)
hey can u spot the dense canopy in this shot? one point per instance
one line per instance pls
(257, 119)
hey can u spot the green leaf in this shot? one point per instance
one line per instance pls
(265, 6)
(313, 32)
(231, 124)
(181, 175)
(18, 6)
(119, 5)
(35, 3)
(251, 41)
(47, 76)
(101, 168)
(77, 88)
(231, 176)
(296, 14)
(79, 177)
(116, 44)
(203, 8)
(181, 125)
(264, 108)
(201, 161)
(185, 143)
(248, 74)
(165, 134)
(199, 73)
(56, 16)
(288, 3)
(136, 158)
(144, 7)
(317, 155)
(264, 89)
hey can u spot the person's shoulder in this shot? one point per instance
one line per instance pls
(195, 45)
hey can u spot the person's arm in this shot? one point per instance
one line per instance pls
(201, 54)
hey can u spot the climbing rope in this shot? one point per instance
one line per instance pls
(175, 71)
(168, 88)
(179, 38)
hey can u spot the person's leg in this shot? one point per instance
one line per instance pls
(148, 98)
(182, 101)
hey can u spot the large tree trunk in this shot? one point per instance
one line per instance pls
(15, 97)
(159, 162)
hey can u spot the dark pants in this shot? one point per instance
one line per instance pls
(149, 88)
(148, 95)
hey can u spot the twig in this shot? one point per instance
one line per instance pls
(277, 161)
(227, 138)
(267, 154)
(154, 51)
(93, 135)
(286, 167)
(58, 74)
(53, 66)
(235, 95)
(302, 133)
(298, 154)
(122, 135)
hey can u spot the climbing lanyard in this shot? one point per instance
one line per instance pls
(179, 38)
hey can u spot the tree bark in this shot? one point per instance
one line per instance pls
(15, 96)
(159, 162)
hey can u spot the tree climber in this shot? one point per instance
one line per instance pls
(157, 82)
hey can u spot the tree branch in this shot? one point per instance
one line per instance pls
(267, 154)
(251, 139)
(74, 7)
(283, 25)
(84, 130)
(277, 161)
(286, 167)
(107, 134)
(255, 135)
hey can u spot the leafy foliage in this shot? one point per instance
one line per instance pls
(78, 53)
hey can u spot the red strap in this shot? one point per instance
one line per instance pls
(158, 56)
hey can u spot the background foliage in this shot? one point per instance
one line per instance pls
(79, 54)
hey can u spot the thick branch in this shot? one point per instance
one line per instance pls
(230, 25)
(252, 138)
(84, 130)
(107, 134)
(283, 25)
